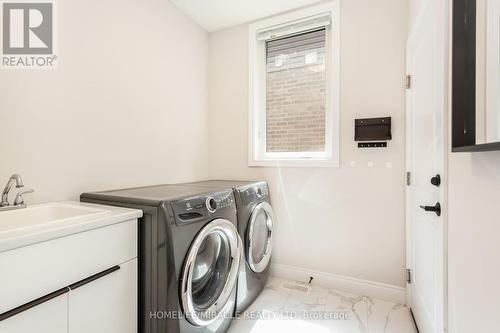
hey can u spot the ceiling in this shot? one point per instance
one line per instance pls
(215, 15)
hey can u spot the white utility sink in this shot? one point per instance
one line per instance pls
(43, 215)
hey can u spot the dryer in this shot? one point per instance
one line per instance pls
(189, 256)
(255, 227)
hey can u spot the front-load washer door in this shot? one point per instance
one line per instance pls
(210, 273)
(259, 237)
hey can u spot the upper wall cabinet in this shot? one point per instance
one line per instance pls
(476, 75)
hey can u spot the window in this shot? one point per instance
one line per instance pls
(294, 89)
(295, 93)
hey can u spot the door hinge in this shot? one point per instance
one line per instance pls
(408, 81)
(408, 178)
(408, 275)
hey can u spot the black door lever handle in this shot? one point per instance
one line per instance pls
(436, 209)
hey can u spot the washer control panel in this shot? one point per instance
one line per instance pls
(211, 204)
(194, 209)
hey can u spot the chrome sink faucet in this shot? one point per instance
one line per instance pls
(19, 201)
(5, 194)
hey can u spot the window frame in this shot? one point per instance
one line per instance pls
(257, 154)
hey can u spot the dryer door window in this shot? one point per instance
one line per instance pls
(210, 273)
(259, 237)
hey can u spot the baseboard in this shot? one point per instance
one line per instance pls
(342, 283)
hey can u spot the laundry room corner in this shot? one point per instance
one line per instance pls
(329, 220)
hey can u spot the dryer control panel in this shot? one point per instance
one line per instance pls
(254, 193)
(195, 209)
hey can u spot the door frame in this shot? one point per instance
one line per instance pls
(445, 24)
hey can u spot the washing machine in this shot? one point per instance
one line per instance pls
(189, 256)
(255, 227)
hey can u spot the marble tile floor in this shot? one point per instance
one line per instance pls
(283, 307)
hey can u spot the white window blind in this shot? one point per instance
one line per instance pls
(294, 27)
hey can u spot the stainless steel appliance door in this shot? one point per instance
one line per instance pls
(210, 273)
(259, 237)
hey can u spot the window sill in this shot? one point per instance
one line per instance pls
(305, 163)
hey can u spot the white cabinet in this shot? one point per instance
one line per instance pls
(48, 317)
(106, 305)
(85, 282)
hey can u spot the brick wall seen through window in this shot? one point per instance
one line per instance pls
(295, 96)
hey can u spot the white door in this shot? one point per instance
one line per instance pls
(426, 151)
(47, 317)
(107, 304)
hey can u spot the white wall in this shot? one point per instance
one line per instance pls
(127, 105)
(473, 238)
(347, 220)
(413, 10)
(474, 242)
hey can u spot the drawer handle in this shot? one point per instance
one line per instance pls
(93, 278)
(57, 293)
(34, 303)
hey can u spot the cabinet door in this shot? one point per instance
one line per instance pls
(48, 317)
(106, 305)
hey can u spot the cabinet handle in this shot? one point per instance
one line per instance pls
(93, 278)
(34, 303)
(57, 293)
